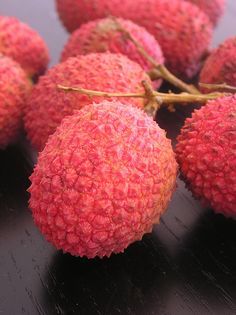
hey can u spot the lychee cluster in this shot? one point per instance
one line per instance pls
(102, 181)
(106, 171)
(206, 153)
(183, 31)
(23, 57)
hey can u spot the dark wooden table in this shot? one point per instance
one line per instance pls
(186, 266)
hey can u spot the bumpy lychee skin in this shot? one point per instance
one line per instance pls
(14, 87)
(213, 8)
(220, 67)
(103, 35)
(183, 31)
(47, 105)
(24, 45)
(104, 178)
(206, 152)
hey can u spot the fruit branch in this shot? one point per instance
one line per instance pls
(98, 93)
(160, 99)
(215, 87)
(159, 71)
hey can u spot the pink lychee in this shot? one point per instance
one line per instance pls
(104, 178)
(206, 152)
(24, 45)
(213, 8)
(220, 67)
(103, 35)
(14, 88)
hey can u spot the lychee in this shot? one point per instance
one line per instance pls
(104, 178)
(107, 72)
(206, 152)
(24, 45)
(14, 87)
(213, 8)
(183, 31)
(103, 35)
(220, 67)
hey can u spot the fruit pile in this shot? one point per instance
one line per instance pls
(106, 171)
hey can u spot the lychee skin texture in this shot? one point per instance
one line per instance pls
(220, 67)
(104, 178)
(24, 45)
(206, 152)
(14, 88)
(102, 36)
(47, 105)
(213, 8)
(183, 31)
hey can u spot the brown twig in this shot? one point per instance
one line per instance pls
(171, 78)
(161, 99)
(217, 87)
(98, 93)
(159, 71)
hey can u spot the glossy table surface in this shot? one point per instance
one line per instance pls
(186, 266)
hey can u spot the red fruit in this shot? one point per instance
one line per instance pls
(24, 45)
(102, 181)
(183, 31)
(206, 152)
(102, 36)
(14, 87)
(48, 105)
(220, 67)
(213, 8)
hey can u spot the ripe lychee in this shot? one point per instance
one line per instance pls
(213, 8)
(183, 31)
(220, 67)
(107, 72)
(14, 87)
(24, 45)
(103, 35)
(104, 178)
(206, 152)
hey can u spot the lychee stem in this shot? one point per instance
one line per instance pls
(159, 71)
(215, 87)
(153, 102)
(161, 99)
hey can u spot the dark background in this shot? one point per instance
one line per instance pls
(186, 266)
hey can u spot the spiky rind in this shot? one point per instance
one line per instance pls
(183, 31)
(220, 67)
(24, 45)
(14, 87)
(103, 179)
(206, 152)
(107, 72)
(213, 8)
(103, 35)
